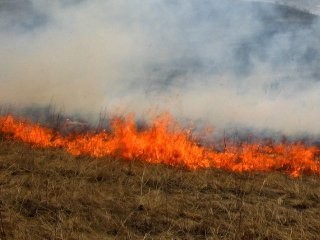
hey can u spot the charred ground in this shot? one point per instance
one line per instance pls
(49, 194)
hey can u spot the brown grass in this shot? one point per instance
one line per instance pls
(48, 194)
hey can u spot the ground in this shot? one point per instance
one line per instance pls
(49, 194)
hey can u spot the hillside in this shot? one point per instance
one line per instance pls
(49, 194)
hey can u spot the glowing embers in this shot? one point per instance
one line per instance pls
(164, 141)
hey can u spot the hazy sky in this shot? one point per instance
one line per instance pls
(228, 63)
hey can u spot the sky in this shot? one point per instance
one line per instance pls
(230, 64)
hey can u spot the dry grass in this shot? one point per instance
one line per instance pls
(48, 194)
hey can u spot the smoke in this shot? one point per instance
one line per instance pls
(226, 63)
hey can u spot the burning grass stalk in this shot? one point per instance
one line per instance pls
(164, 141)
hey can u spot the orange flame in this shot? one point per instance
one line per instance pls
(166, 142)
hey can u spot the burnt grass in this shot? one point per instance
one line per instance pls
(49, 194)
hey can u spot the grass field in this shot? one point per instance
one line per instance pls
(49, 194)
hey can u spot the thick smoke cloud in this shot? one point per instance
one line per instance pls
(227, 63)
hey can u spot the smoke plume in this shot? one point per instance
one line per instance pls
(226, 63)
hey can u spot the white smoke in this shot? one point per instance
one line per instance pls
(230, 63)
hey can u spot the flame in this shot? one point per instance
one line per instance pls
(167, 143)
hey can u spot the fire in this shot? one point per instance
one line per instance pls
(164, 141)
